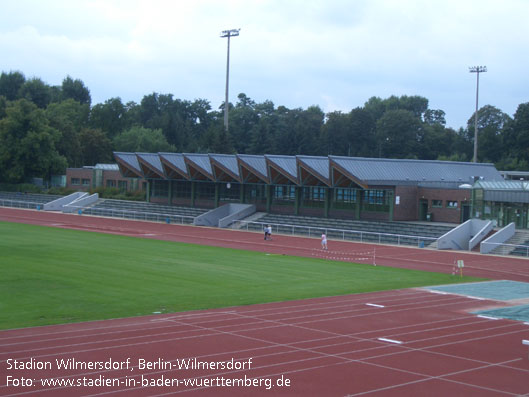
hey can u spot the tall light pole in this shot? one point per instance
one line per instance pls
(477, 70)
(228, 33)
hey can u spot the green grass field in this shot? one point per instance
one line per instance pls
(52, 276)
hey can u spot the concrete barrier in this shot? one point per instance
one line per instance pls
(58, 204)
(500, 237)
(480, 235)
(224, 215)
(80, 203)
(459, 238)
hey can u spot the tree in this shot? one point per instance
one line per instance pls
(28, 144)
(491, 122)
(361, 135)
(10, 84)
(397, 132)
(334, 134)
(139, 139)
(69, 117)
(3, 106)
(173, 117)
(36, 91)
(95, 147)
(517, 139)
(435, 117)
(109, 117)
(76, 90)
(243, 117)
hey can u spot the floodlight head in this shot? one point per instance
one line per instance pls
(230, 33)
(477, 69)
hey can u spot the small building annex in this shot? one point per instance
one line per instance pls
(332, 186)
(502, 202)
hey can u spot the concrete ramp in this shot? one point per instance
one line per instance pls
(225, 215)
(80, 203)
(497, 238)
(58, 204)
(466, 236)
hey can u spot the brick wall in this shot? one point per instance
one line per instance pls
(407, 209)
(75, 177)
(445, 213)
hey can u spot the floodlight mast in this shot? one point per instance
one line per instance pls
(477, 70)
(228, 33)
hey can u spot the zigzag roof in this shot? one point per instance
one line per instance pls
(333, 171)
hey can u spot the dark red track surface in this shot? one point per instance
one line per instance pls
(325, 346)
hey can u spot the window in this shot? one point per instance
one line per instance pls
(76, 181)
(376, 200)
(182, 189)
(122, 185)
(111, 183)
(451, 204)
(255, 193)
(437, 203)
(314, 197)
(344, 198)
(346, 195)
(231, 193)
(284, 195)
(205, 191)
(86, 182)
(374, 197)
(284, 192)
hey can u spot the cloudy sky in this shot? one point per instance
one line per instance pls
(297, 53)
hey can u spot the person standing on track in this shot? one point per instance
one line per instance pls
(324, 241)
(268, 232)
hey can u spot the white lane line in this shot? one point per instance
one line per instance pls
(374, 305)
(390, 340)
(487, 317)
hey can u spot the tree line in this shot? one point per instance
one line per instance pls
(44, 129)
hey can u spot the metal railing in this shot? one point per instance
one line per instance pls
(507, 249)
(135, 215)
(108, 212)
(338, 234)
(21, 204)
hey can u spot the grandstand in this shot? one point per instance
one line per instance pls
(401, 233)
(25, 200)
(141, 210)
(517, 245)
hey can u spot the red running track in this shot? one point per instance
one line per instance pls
(431, 344)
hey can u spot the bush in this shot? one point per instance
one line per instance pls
(20, 187)
(115, 193)
(60, 191)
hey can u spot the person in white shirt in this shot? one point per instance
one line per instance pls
(324, 241)
(268, 232)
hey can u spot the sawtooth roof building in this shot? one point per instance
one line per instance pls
(332, 186)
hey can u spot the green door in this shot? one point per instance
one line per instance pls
(423, 209)
(465, 212)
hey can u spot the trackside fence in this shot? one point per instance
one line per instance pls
(507, 249)
(108, 212)
(21, 204)
(136, 215)
(338, 234)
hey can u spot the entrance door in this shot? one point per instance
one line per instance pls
(465, 212)
(423, 209)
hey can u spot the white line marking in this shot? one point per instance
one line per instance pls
(487, 317)
(437, 292)
(390, 340)
(476, 298)
(374, 305)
